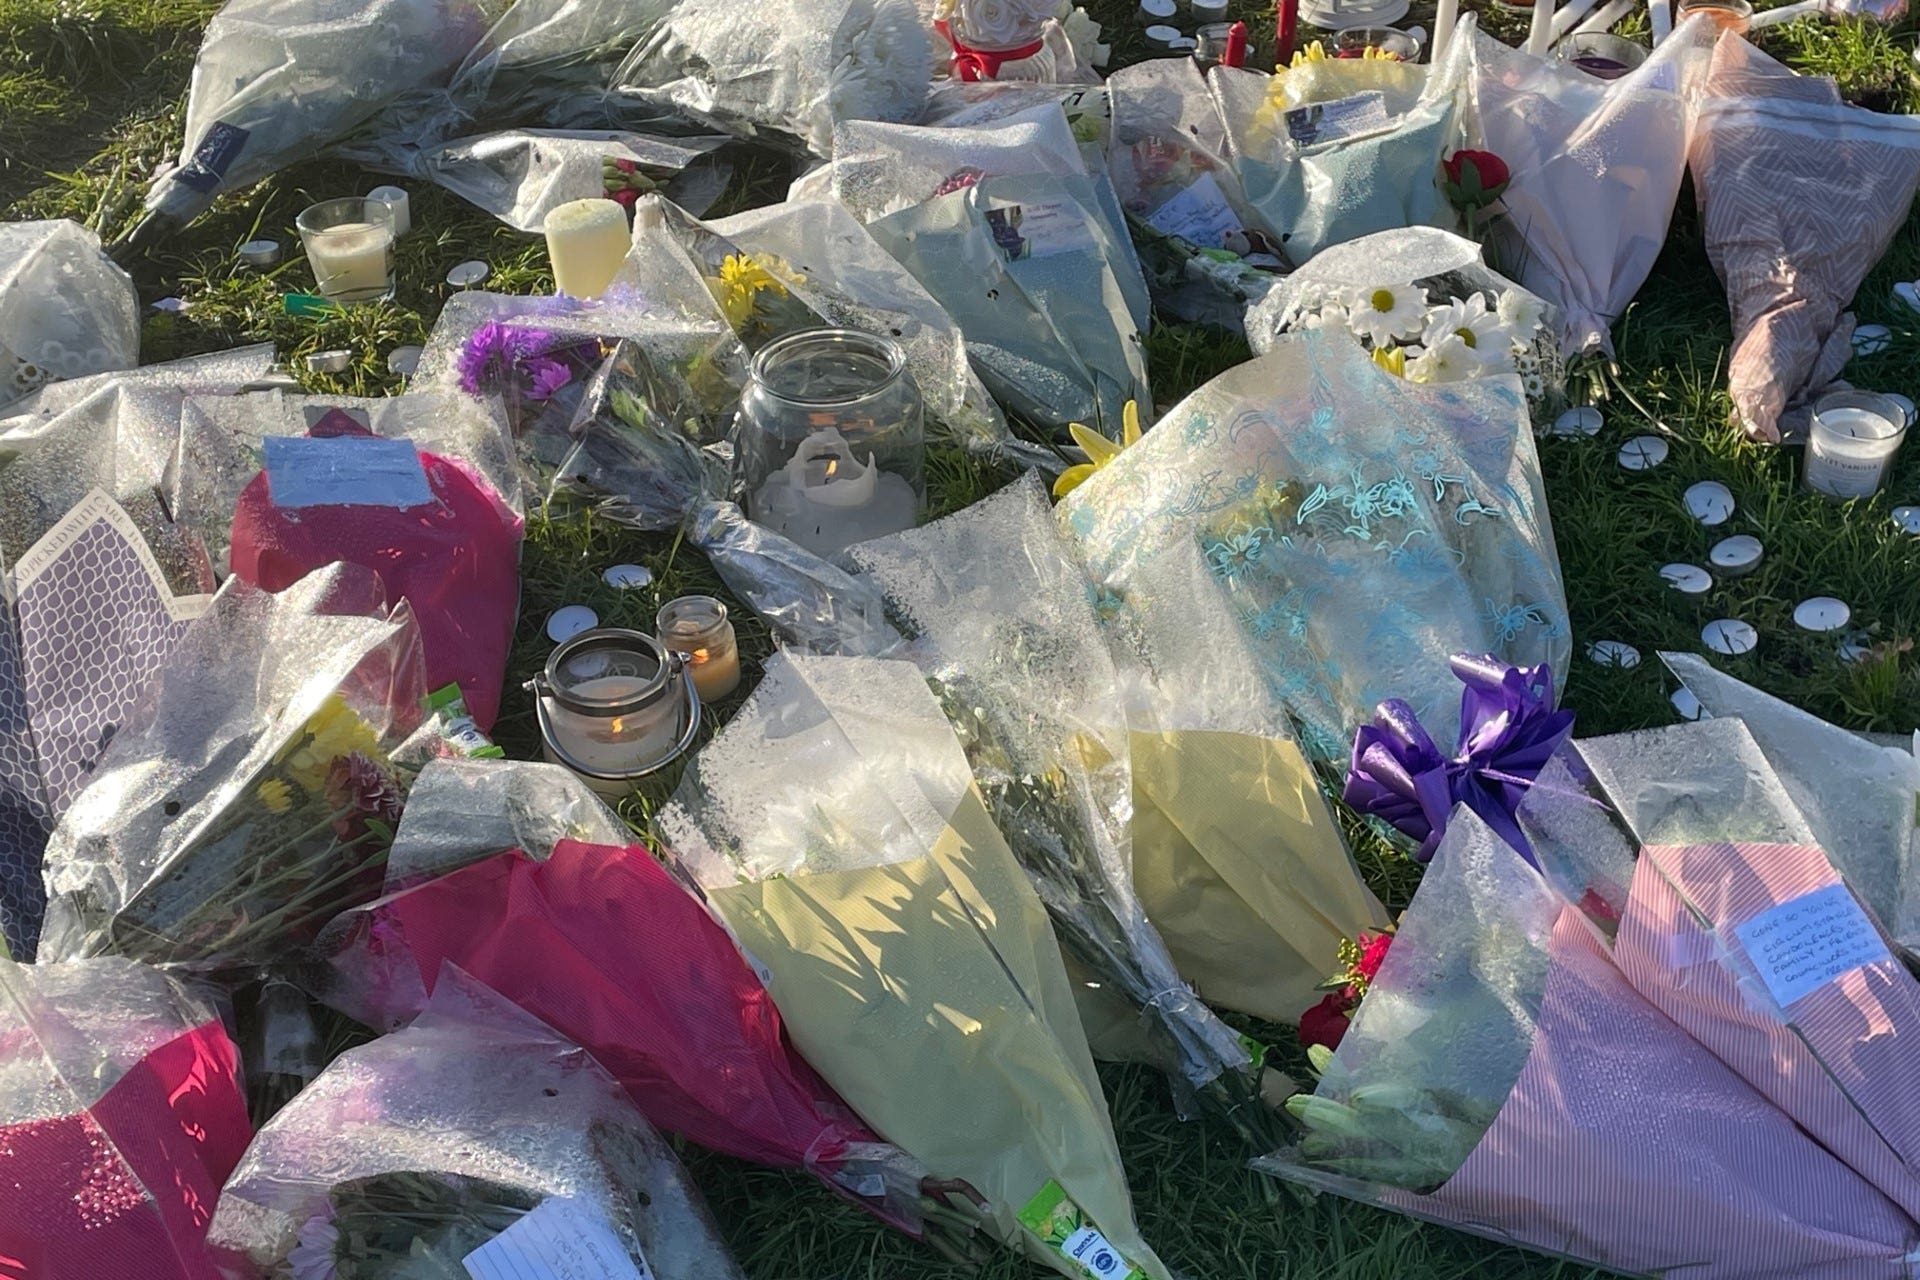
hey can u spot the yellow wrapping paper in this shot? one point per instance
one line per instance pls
(1240, 865)
(931, 994)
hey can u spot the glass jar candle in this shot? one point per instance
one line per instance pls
(696, 628)
(1394, 43)
(1851, 447)
(832, 445)
(1601, 54)
(1728, 15)
(349, 244)
(614, 706)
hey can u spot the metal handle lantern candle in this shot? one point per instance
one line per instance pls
(614, 706)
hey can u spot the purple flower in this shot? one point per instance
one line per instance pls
(366, 790)
(493, 352)
(545, 376)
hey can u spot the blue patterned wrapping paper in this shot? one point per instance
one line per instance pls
(1361, 528)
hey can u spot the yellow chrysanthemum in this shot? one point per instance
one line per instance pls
(743, 277)
(335, 730)
(1099, 450)
(275, 795)
(1392, 359)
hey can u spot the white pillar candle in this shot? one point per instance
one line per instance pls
(826, 500)
(1855, 435)
(352, 261)
(399, 207)
(1443, 22)
(587, 240)
(1540, 35)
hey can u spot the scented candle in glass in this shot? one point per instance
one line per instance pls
(1851, 447)
(697, 628)
(349, 244)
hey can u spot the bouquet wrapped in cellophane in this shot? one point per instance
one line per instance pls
(65, 309)
(996, 615)
(252, 794)
(1427, 307)
(834, 825)
(1332, 149)
(698, 1046)
(1734, 922)
(1362, 528)
(123, 1114)
(1028, 252)
(475, 1144)
(520, 175)
(1502, 1076)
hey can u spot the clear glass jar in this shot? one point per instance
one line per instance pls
(832, 440)
(613, 706)
(696, 628)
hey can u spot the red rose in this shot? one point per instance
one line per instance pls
(1475, 179)
(1598, 908)
(626, 166)
(1373, 952)
(626, 199)
(1326, 1022)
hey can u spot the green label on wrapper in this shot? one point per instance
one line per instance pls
(1059, 1221)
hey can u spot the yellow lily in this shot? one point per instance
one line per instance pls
(1099, 450)
(1392, 359)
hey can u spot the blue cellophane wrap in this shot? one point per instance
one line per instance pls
(1362, 528)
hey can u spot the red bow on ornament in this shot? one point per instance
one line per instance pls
(974, 65)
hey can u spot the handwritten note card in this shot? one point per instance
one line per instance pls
(1801, 945)
(560, 1240)
(304, 471)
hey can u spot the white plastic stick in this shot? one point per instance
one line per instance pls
(1443, 20)
(1660, 18)
(1568, 15)
(1604, 20)
(1540, 35)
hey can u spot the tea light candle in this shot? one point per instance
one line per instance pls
(826, 501)
(1613, 653)
(1731, 636)
(1821, 613)
(697, 628)
(399, 208)
(1687, 579)
(1155, 11)
(1855, 435)
(1162, 38)
(1709, 502)
(587, 240)
(1642, 453)
(1209, 10)
(1735, 556)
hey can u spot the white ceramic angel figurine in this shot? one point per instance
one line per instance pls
(1041, 40)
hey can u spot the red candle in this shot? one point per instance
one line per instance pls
(1288, 33)
(1236, 51)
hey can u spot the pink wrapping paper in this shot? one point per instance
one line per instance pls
(1625, 1142)
(1843, 1061)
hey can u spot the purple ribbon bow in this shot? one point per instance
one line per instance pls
(1508, 732)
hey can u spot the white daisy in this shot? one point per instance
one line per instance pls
(1520, 312)
(1384, 312)
(1331, 315)
(1469, 320)
(1448, 360)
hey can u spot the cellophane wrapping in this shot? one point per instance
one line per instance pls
(1446, 266)
(785, 66)
(1309, 194)
(1736, 924)
(65, 309)
(1800, 196)
(462, 811)
(249, 796)
(427, 1144)
(698, 1046)
(1361, 528)
(1858, 798)
(1005, 227)
(23, 421)
(278, 80)
(834, 825)
(1596, 167)
(998, 618)
(1503, 1077)
(521, 175)
(123, 1115)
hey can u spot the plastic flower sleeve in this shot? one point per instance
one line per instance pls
(476, 1136)
(65, 309)
(1361, 527)
(1316, 177)
(249, 796)
(1484, 1084)
(1800, 196)
(123, 1115)
(1443, 265)
(277, 80)
(1596, 166)
(520, 175)
(462, 811)
(785, 66)
(25, 419)
(698, 1046)
(1858, 798)
(999, 620)
(834, 825)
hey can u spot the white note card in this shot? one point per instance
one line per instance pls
(1199, 213)
(367, 471)
(1802, 945)
(560, 1240)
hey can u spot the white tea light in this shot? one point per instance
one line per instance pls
(1643, 453)
(1163, 38)
(329, 362)
(1871, 339)
(466, 275)
(1209, 10)
(1155, 11)
(1730, 636)
(569, 621)
(627, 577)
(1740, 554)
(1687, 579)
(1584, 421)
(1709, 502)
(1821, 613)
(1613, 653)
(1688, 705)
(403, 361)
(1855, 648)
(1907, 293)
(1907, 519)
(260, 253)
(399, 208)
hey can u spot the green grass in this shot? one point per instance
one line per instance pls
(91, 100)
